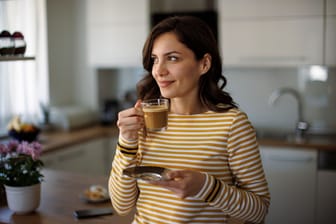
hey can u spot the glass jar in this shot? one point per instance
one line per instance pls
(19, 43)
(7, 45)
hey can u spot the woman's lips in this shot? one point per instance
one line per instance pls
(164, 84)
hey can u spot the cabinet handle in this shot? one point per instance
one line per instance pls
(265, 59)
(290, 159)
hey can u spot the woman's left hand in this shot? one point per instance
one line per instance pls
(184, 183)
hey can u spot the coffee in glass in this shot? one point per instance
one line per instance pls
(155, 114)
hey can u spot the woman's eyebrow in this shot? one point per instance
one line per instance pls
(168, 53)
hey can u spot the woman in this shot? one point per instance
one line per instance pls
(209, 146)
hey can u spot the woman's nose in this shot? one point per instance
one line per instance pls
(160, 69)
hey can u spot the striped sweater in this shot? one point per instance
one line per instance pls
(221, 145)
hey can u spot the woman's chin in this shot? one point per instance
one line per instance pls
(167, 94)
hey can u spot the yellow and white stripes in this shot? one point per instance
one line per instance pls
(221, 145)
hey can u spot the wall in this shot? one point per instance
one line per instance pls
(61, 39)
(114, 83)
(251, 88)
(73, 81)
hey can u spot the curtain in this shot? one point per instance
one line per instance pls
(24, 84)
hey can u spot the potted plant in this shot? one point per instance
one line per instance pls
(20, 174)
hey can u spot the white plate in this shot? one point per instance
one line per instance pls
(95, 190)
(84, 198)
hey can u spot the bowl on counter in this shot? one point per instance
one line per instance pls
(21, 135)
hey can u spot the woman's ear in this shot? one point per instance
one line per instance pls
(205, 63)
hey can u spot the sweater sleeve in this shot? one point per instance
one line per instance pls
(248, 198)
(123, 190)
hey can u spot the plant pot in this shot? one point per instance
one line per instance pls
(23, 200)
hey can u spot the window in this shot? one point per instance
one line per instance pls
(24, 84)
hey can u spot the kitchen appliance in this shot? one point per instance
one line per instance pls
(109, 112)
(72, 117)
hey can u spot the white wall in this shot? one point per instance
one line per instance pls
(74, 81)
(251, 88)
(61, 41)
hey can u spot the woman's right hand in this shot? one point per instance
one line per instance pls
(130, 121)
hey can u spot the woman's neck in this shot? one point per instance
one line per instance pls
(186, 107)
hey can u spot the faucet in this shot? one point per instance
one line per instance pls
(301, 125)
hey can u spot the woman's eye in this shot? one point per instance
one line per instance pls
(155, 60)
(172, 58)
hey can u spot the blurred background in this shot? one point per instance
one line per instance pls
(89, 54)
(83, 60)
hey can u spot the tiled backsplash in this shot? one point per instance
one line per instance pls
(113, 83)
(251, 89)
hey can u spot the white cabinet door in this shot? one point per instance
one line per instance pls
(88, 157)
(331, 7)
(281, 42)
(330, 41)
(292, 175)
(116, 32)
(269, 8)
(271, 33)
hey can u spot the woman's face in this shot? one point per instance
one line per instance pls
(175, 68)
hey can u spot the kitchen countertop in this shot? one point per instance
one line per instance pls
(60, 198)
(54, 140)
(60, 139)
(314, 141)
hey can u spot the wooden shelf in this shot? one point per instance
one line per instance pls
(16, 58)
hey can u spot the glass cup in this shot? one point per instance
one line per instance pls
(155, 114)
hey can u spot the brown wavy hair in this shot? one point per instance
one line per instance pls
(197, 36)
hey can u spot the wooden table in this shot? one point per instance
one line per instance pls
(59, 198)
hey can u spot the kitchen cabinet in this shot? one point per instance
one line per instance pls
(88, 157)
(116, 32)
(330, 32)
(271, 33)
(326, 197)
(239, 9)
(291, 174)
(272, 43)
(330, 48)
(326, 185)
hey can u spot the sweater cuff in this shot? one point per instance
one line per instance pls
(128, 143)
(126, 146)
(210, 189)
